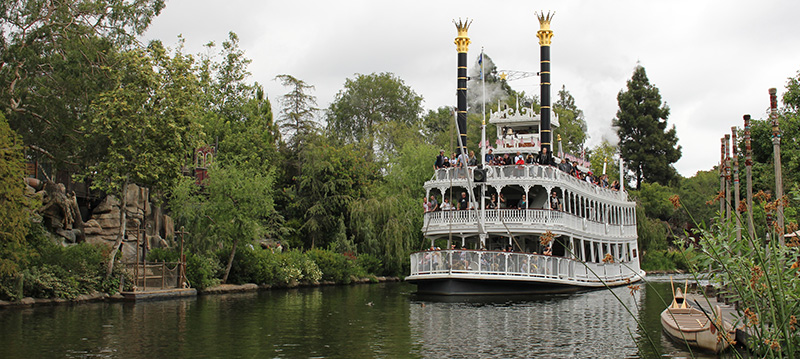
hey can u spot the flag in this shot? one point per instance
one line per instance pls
(480, 63)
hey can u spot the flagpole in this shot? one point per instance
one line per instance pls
(483, 111)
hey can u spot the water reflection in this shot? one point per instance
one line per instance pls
(588, 324)
(360, 321)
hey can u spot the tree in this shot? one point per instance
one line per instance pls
(571, 123)
(16, 208)
(297, 115)
(606, 153)
(55, 59)
(371, 109)
(331, 178)
(646, 145)
(142, 125)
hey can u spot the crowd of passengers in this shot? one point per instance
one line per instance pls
(543, 158)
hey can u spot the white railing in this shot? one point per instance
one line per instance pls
(500, 219)
(520, 172)
(509, 264)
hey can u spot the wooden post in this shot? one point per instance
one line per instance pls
(722, 177)
(727, 177)
(748, 162)
(776, 147)
(734, 147)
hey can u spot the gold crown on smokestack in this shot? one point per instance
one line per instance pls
(462, 41)
(544, 34)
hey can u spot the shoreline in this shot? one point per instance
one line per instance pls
(30, 302)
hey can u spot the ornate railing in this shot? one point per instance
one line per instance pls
(517, 173)
(518, 265)
(500, 219)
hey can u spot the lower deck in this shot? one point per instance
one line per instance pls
(491, 272)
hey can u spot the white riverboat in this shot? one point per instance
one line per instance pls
(586, 240)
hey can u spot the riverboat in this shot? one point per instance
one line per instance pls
(529, 243)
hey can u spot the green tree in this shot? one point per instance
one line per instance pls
(55, 59)
(142, 125)
(646, 145)
(373, 110)
(234, 207)
(16, 208)
(297, 115)
(606, 153)
(331, 178)
(571, 123)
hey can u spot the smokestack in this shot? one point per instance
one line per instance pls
(462, 46)
(545, 35)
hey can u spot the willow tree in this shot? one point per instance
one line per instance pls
(16, 208)
(646, 145)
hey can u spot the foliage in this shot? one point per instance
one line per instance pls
(652, 232)
(55, 59)
(646, 145)
(143, 123)
(238, 117)
(332, 177)
(571, 123)
(61, 272)
(666, 259)
(256, 265)
(200, 270)
(297, 115)
(234, 207)
(605, 152)
(374, 110)
(16, 208)
(335, 267)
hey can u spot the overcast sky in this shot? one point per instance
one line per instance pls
(713, 61)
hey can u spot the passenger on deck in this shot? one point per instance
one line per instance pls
(530, 159)
(433, 205)
(502, 204)
(555, 204)
(523, 203)
(492, 202)
(544, 157)
(425, 204)
(446, 206)
(463, 202)
(440, 160)
(473, 161)
(519, 159)
(489, 157)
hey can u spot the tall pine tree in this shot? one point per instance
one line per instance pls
(648, 148)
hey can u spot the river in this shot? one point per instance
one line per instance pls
(361, 321)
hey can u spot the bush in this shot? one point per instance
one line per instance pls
(371, 264)
(58, 272)
(334, 266)
(670, 259)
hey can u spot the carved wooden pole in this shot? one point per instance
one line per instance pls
(462, 42)
(728, 177)
(776, 147)
(734, 147)
(722, 177)
(748, 162)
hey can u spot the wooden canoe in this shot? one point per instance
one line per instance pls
(694, 327)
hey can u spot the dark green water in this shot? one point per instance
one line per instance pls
(362, 321)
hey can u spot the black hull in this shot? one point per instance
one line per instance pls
(450, 286)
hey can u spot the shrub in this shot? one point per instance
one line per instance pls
(334, 266)
(371, 264)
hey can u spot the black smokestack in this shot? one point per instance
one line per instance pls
(462, 46)
(545, 35)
